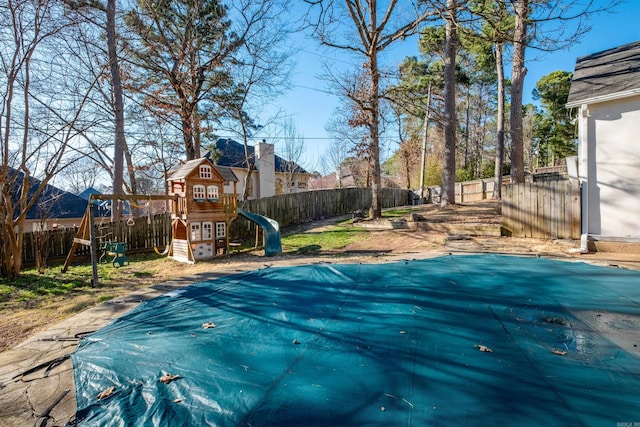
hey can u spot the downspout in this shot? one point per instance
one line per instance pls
(583, 167)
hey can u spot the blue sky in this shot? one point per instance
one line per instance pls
(311, 104)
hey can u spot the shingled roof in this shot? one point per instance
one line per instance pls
(52, 201)
(613, 73)
(233, 156)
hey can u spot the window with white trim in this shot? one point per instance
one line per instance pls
(199, 192)
(212, 192)
(207, 231)
(205, 171)
(195, 232)
(221, 230)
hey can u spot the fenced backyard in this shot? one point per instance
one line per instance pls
(547, 210)
(289, 209)
(300, 208)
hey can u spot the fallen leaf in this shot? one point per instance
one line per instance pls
(106, 392)
(167, 378)
(208, 325)
(559, 352)
(483, 348)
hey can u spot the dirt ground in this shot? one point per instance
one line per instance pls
(381, 244)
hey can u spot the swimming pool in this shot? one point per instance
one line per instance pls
(454, 340)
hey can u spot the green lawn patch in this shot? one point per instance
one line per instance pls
(397, 213)
(336, 237)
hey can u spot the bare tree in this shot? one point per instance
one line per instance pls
(293, 150)
(117, 98)
(349, 142)
(39, 109)
(79, 175)
(261, 72)
(335, 22)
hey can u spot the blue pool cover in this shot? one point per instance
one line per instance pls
(450, 341)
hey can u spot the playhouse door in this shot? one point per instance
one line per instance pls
(221, 237)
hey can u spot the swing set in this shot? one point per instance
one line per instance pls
(86, 232)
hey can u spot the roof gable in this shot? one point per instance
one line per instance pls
(605, 74)
(185, 169)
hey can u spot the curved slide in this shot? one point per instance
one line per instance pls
(272, 242)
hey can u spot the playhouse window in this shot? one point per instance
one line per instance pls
(221, 230)
(195, 232)
(199, 193)
(207, 231)
(212, 192)
(205, 171)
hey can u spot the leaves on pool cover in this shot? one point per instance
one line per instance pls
(106, 392)
(208, 325)
(167, 378)
(559, 352)
(483, 348)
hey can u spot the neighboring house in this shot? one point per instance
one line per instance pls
(342, 178)
(53, 209)
(606, 91)
(271, 174)
(206, 204)
(103, 208)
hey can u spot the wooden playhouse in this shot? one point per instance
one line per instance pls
(204, 206)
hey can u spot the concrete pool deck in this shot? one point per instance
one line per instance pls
(25, 400)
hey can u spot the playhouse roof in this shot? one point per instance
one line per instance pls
(183, 170)
(226, 172)
(610, 74)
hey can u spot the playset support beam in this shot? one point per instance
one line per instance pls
(86, 232)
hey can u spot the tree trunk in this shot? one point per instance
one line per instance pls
(191, 146)
(374, 98)
(118, 107)
(518, 72)
(425, 140)
(497, 187)
(449, 169)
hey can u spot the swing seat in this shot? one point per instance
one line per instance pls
(117, 251)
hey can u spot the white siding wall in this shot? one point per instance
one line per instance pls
(614, 168)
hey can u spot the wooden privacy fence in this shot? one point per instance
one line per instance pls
(143, 234)
(468, 191)
(299, 208)
(287, 209)
(546, 210)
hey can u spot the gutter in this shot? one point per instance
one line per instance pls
(583, 177)
(603, 98)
